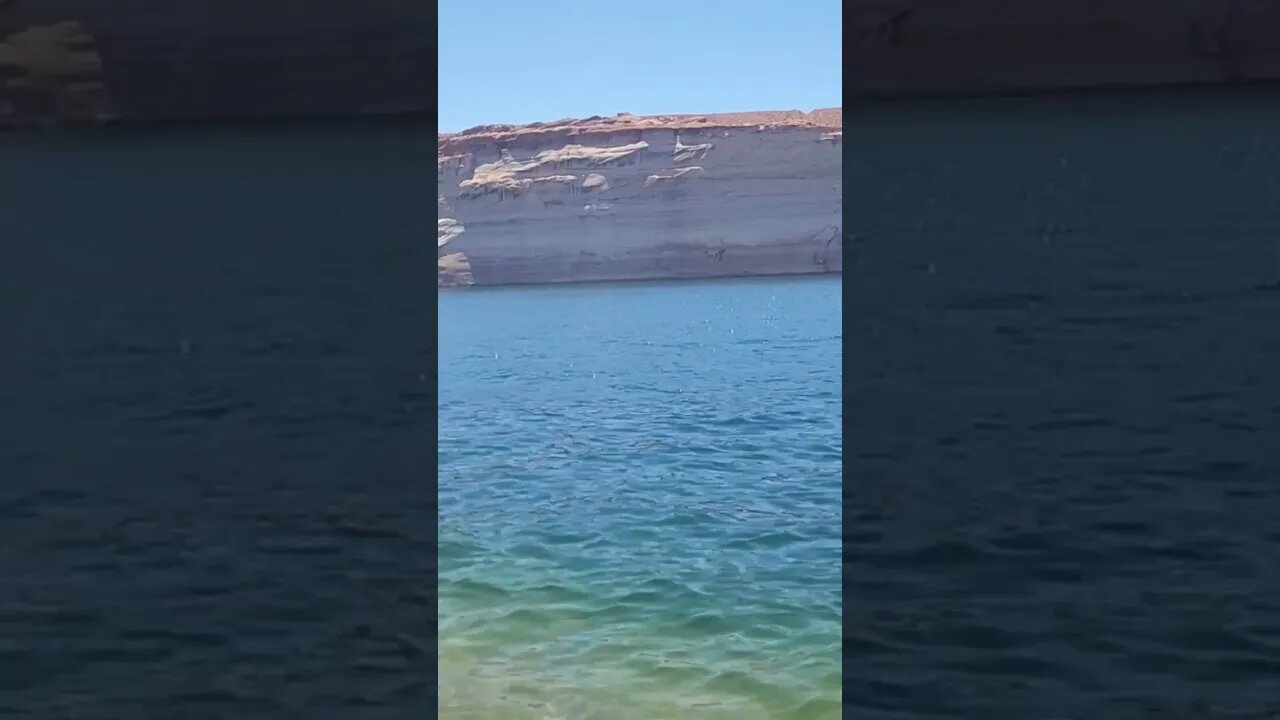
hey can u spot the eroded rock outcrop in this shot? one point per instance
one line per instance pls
(626, 198)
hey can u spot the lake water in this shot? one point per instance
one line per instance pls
(1064, 483)
(640, 501)
(216, 493)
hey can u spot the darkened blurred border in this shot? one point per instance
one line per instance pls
(82, 61)
(932, 48)
(967, 218)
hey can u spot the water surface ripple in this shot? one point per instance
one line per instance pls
(1068, 507)
(215, 457)
(640, 501)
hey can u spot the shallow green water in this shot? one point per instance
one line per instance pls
(640, 501)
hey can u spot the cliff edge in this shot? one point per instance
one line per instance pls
(634, 198)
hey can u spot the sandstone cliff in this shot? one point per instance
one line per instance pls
(630, 198)
(51, 73)
(911, 48)
(76, 61)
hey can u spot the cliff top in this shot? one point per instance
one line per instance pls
(539, 132)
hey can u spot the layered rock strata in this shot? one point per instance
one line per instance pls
(634, 198)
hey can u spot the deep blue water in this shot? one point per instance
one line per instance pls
(216, 495)
(640, 500)
(1063, 473)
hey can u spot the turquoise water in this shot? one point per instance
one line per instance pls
(640, 501)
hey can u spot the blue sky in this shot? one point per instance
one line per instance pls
(517, 61)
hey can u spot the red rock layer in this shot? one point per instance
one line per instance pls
(542, 133)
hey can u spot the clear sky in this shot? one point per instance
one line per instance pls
(518, 61)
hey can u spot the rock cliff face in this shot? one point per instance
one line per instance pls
(630, 198)
(909, 48)
(78, 61)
